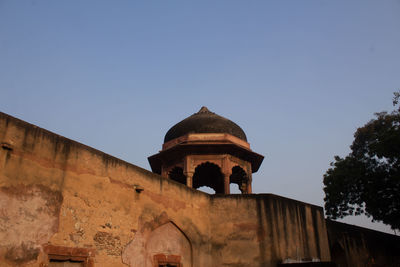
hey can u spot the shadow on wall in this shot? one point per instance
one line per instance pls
(358, 247)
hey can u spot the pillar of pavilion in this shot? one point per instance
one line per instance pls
(206, 149)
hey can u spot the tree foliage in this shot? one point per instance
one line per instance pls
(368, 179)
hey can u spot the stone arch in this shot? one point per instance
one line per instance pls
(165, 244)
(239, 177)
(177, 175)
(169, 244)
(209, 174)
(206, 189)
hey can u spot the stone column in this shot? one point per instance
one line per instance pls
(249, 188)
(227, 189)
(249, 180)
(188, 171)
(226, 169)
(189, 179)
(227, 176)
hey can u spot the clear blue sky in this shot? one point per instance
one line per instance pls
(298, 76)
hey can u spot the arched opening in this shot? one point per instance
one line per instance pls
(209, 174)
(177, 175)
(238, 177)
(206, 189)
(234, 189)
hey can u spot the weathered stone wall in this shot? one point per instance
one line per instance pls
(353, 246)
(59, 192)
(59, 198)
(264, 230)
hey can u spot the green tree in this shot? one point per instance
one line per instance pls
(368, 179)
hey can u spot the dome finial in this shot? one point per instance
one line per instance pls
(204, 109)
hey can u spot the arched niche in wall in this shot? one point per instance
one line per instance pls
(209, 174)
(168, 246)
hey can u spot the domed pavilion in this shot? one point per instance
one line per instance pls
(206, 149)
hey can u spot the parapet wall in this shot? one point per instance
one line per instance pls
(60, 199)
(265, 229)
(357, 246)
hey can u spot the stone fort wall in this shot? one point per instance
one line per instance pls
(357, 246)
(62, 200)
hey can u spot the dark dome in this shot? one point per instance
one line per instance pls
(204, 121)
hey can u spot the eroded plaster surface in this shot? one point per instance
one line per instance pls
(28, 218)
